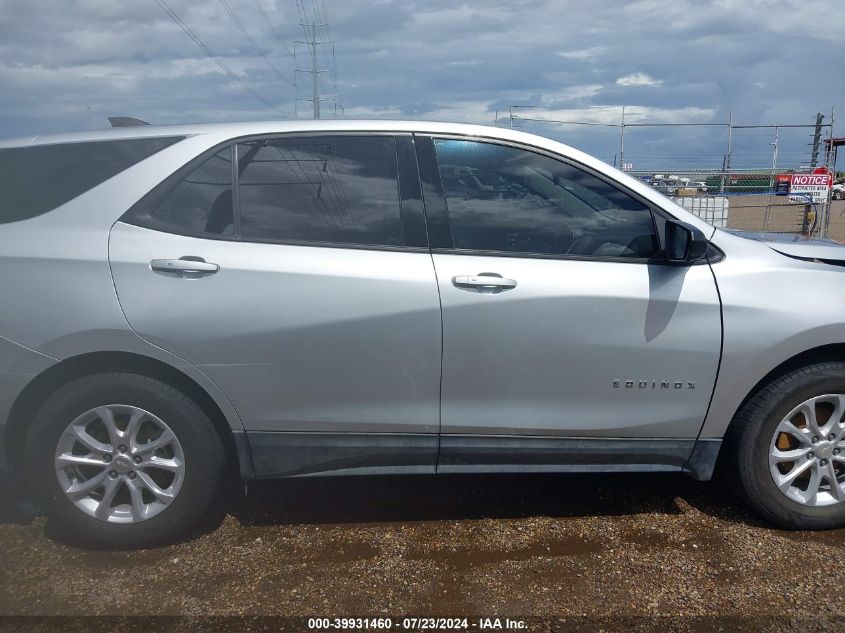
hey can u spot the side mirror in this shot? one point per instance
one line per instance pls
(684, 243)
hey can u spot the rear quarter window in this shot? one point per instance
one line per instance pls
(38, 178)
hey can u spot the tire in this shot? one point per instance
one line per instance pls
(753, 434)
(132, 519)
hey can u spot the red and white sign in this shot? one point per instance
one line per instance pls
(816, 186)
(810, 180)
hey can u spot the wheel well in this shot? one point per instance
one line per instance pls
(48, 381)
(834, 352)
(824, 353)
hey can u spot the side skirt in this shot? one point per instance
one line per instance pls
(496, 453)
(290, 454)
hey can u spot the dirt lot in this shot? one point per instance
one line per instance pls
(748, 212)
(564, 547)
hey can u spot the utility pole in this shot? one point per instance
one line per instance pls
(814, 159)
(511, 114)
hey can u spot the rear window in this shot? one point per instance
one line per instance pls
(39, 178)
(322, 189)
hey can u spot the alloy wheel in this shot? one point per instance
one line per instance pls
(119, 464)
(806, 458)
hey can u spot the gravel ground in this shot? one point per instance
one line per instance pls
(553, 546)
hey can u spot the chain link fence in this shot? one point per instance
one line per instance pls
(732, 175)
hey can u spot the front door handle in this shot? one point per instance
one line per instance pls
(187, 266)
(489, 282)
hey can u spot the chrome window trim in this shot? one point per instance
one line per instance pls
(358, 247)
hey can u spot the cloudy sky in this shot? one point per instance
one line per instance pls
(68, 65)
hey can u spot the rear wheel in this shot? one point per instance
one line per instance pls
(786, 448)
(123, 460)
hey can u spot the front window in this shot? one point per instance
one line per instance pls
(506, 199)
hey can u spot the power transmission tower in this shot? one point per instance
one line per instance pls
(315, 43)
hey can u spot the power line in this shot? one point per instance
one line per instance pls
(164, 6)
(250, 39)
(264, 15)
(327, 40)
(320, 23)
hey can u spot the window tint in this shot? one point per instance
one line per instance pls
(202, 201)
(39, 178)
(506, 199)
(340, 189)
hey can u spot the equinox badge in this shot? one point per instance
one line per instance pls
(654, 384)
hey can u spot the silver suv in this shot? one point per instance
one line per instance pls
(186, 304)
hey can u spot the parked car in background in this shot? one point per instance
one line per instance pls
(667, 187)
(188, 305)
(838, 191)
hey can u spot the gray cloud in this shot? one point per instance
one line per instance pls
(69, 65)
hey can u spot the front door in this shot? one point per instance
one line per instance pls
(559, 318)
(309, 297)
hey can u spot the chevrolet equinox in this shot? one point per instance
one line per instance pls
(185, 304)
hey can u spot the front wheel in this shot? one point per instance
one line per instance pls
(785, 448)
(124, 460)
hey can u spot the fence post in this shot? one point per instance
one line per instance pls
(827, 206)
(805, 220)
(774, 145)
(726, 166)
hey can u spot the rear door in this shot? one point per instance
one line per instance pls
(295, 272)
(560, 319)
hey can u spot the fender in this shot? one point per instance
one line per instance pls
(772, 311)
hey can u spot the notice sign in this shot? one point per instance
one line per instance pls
(816, 186)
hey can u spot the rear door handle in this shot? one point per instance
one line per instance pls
(184, 266)
(484, 281)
